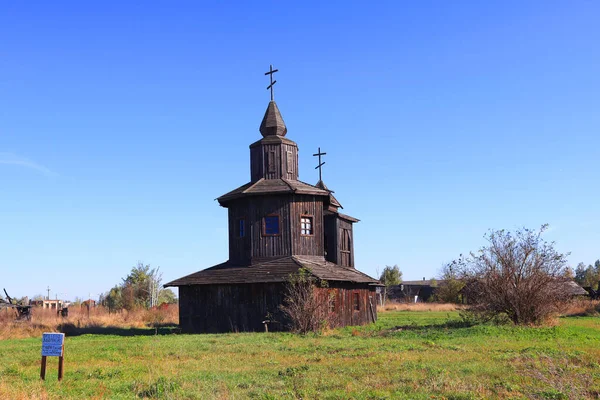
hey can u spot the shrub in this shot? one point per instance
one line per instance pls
(305, 311)
(517, 276)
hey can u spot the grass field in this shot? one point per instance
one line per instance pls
(407, 354)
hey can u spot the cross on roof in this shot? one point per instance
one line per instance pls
(319, 154)
(270, 73)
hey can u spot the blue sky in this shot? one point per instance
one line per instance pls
(121, 122)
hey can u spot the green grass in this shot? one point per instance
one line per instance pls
(412, 355)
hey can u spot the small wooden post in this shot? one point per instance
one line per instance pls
(43, 370)
(60, 368)
(372, 312)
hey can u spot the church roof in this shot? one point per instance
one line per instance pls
(332, 200)
(272, 186)
(273, 140)
(272, 123)
(270, 271)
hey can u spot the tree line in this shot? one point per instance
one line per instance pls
(588, 276)
(141, 288)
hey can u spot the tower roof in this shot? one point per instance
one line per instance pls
(272, 123)
(270, 187)
(332, 200)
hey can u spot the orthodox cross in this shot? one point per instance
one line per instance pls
(319, 154)
(270, 73)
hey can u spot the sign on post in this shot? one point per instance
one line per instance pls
(53, 345)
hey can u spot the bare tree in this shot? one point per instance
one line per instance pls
(305, 311)
(519, 276)
(450, 286)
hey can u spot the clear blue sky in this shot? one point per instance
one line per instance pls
(121, 122)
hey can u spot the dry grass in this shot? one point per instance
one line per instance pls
(99, 317)
(393, 306)
(582, 307)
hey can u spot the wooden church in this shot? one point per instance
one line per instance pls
(277, 225)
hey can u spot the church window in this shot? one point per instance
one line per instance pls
(290, 162)
(306, 225)
(271, 225)
(241, 227)
(356, 301)
(271, 161)
(346, 247)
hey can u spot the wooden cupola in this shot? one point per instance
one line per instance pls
(274, 156)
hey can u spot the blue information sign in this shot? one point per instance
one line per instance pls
(52, 344)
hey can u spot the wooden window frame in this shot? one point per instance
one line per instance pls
(290, 162)
(346, 241)
(355, 301)
(271, 167)
(264, 225)
(312, 225)
(239, 231)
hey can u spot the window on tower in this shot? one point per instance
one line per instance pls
(271, 225)
(306, 225)
(290, 162)
(271, 162)
(241, 227)
(345, 248)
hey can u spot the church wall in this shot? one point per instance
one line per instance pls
(256, 163)
(272, 161)
(289, 155)
(330, 244)
(342, 295)
(229, 308)
(305, 205)
(239, 247)
(270, 246)
(345, 243)
(244, 307)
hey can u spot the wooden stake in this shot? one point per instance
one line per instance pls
(372, 312)
(43, 371)
(60, 368)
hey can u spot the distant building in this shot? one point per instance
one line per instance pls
(88, 303)
(414, 291)
(48, 304)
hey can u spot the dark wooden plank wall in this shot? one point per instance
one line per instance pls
(290, 209)
(346, 259)
(259, 161)
(256, 163)
(290, 164)
(270, 246)
(241, 308)
(307, 205)
(239, 247)
(342, 295)
(330, 230)
(228, 308)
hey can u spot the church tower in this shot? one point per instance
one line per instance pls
(275, 214)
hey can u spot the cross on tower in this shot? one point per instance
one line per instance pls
(270, 73)
(319, 154)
